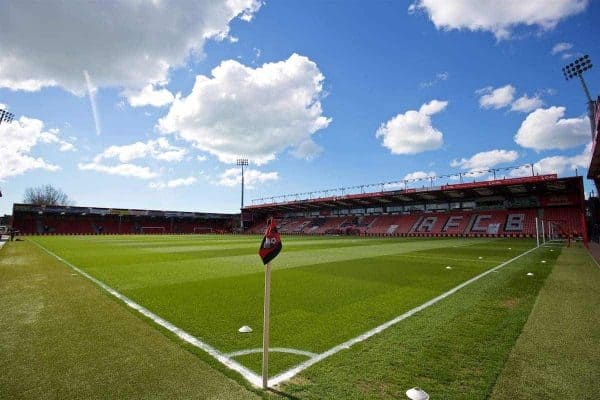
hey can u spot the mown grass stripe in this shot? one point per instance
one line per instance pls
(346, 345)
(183, 335)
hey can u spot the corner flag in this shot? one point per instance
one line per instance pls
(269, 249)
(271, 243)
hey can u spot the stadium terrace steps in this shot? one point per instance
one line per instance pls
(330, 224)
(568, 218)
(109, 224)
(506, 223)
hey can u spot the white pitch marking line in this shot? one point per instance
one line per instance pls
(250, 376)
(272, 349)
(222, 358)
(284, 376)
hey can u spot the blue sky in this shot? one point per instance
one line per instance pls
(316, 94)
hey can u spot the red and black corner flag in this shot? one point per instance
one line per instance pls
(271, 243)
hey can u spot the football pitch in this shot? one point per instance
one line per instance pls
(327, 293)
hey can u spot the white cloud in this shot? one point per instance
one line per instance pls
(19, 139)
(561, 165)
(307, 150)
(505, 96)
(440, 76)
(412, 132)
(418, 175)
(3, 106)
(201, 158)
(159, 149)
(66, 146)
(560, 47)
(526, 104)
(545, 128)
(126, 169)
(498, 17)
(150, 95)
(173, 183)
(127, 44)
(496, 98)
(565, 56)
(485, 160)
(252, 177)
(254, 113)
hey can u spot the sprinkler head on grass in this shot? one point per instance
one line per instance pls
(417, 394)
(481, 258)
(530, 274)
(448, 267)
(543, 261)
(245, 329)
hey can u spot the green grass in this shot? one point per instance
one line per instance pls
(324, 290)
(454, 350)
(558, 353)
(62, 338)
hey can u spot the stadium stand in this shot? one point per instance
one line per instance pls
(495, 208)
(68, 220)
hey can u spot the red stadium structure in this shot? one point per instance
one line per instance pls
(494, 208)
(593, 204)
(594, 169)
(60, 220)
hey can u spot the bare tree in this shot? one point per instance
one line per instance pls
(47, 195)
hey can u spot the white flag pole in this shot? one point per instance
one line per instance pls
(265, 363)
(537, 232)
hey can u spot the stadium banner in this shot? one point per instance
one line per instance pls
(560, 200)
(523, 202)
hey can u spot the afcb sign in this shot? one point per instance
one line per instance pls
(271, 243)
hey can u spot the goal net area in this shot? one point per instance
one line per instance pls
(202, 230)
(152, 229)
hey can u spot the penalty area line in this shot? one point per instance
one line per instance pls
(284, 376)
(250, 376)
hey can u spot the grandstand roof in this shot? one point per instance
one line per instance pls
(540, 184)
(72, 210)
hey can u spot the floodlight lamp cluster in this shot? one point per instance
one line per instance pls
(242, 161)
(6, 117)
(577, 67)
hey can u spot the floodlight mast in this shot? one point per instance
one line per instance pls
(6, 117)
(576, 69)
(242, 162)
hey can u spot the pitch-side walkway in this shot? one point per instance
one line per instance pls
(594, 249)
(557, 355)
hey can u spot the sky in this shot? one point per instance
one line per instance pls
(148, 104)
